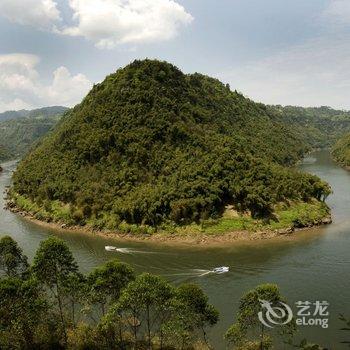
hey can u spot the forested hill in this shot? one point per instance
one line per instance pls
(40, 112)
(4, 154)
(151, 144)
(17, 135)
(341, 151)
(320, 127)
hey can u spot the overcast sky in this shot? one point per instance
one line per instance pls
(275, 51)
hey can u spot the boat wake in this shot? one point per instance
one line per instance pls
(201, 272)
(126, 250)
(189, 273)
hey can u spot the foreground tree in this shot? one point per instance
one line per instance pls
(192, 313)
(146, 300)
(22, 307)
(242, 334)
(53, 266)
(41, 311)
(106, 283)
(12, 261)
(74, 291)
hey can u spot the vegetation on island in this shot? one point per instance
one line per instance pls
(50, 304)
(153, 147)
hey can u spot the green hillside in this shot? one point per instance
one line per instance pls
(4, 153)
(320, 127)
(341, 151)
(18, 135)
(151, 145)
(39, 112)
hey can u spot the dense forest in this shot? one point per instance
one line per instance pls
(150, 145)
(4, 154)
(341, 151)
(320, 127)
(39, 112)
(50, 304)
(19, 133)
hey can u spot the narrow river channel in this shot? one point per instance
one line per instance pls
(309, 266)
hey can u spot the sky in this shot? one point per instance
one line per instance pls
(288, 52)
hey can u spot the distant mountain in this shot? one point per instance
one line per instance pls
(319, 126)
(341, 151)
(13, 114)
(24, 128)
(44, 112)
(151, 145)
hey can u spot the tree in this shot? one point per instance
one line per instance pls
(74, 290)
(41, 311)
(12, 260)
(146, 300)
(106, 283)
(22, 307)
(53, 266)
(194, 307)
(248, 322)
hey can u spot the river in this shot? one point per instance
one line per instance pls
(311, 265)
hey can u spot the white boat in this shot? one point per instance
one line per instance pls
(221, 269)
(110, 248)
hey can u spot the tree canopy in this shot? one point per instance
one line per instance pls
(54, 306)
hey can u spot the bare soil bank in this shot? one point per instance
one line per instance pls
(173, 238)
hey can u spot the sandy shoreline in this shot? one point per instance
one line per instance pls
(174, 239)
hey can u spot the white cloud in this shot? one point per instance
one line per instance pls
(109, 23)
(312, 74)
(20, 85)
(68, 89)
(41, 14)
(17, 71)
(15, 105)
(337, 12)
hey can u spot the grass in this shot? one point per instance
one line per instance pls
(300, 214)
(297, 214)
(48, 211)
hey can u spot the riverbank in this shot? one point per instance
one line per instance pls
(232, 227)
